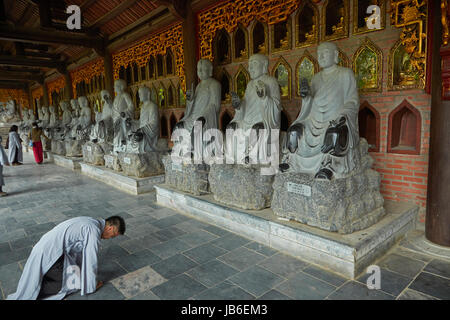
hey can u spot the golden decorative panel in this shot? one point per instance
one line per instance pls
(368, 66)
(360, 15)
(411, 16)
(343, 59)
(20, 96)
(282, 72)
(55, 86)
(141, 52)
(306, 67)
(241, 79)
(444, 21)
(335, 19)
(229, 14)
(307, 25)
(86, 73)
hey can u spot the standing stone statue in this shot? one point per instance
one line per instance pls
(74, 119)
(10, 113)
(203, 104)
(328, 181)
(61, 131)
(122, 114)
(84, 120)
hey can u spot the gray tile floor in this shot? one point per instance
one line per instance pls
(166, 255)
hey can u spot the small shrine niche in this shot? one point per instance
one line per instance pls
(129, 75)
(367, 65)
(306, 69)
(284, 122)
(222, 45)
(160, 65)
(144, 76)
(181, 97)
(225, 120)
(402, 74)
(367, 22)
(172, 122)
(281, 36)
(282, 73)
(153, 95)
(404, 129)
(170, 96)
(369, 126)
(162, 96)
(163, 128)
(241, 80)
(135, 73)
(307, 25)
(225, 81)
(335, 19)
(259, 38)
(169, 62)
(240, 41)
(151, 67)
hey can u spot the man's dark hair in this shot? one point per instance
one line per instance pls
(13, 128)
(117, 222)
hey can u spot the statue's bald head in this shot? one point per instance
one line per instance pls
(328, 54)
(258, 64)
(120, 85)
(204, 69)
(144, 94)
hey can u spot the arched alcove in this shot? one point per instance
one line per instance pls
(369, 125)
(172, 123)
(404, 129)
(367, 66)
(163, 126)
(225, 119)
(281, 35)
(162, 96)
(222, 47)
(240, 81)
(154, 94)
(128, 75)
(259, 38)
(144, 75)
(122, 74)
(335, 19)
(284, 121)
(306, 68)
(240, 44)
(282, 72)
(169, 62)
(306, 25)
(170, 96)
(151, 67)
(181, 97)
(135, 73)
(160, 65)
(225, 81)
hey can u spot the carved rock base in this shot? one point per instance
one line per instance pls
(141, 165)
(94, 153)
(58, 147)
(112, 162)
(74, 148)
(241, 186)
(190, 178)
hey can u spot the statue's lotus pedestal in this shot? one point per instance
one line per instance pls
(340, 205)
(141, 165)
(112, 162)
(58, 147)
(242, 186)
(121, 181)
(186, 177)
(346, 254)
(94, 153)
(74, 148)
(72, 163)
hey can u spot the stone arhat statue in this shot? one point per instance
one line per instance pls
(123, 111)
(324, 139)
(148, 133)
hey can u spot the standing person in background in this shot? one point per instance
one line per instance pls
(15, 157)
(3, 162)
(35, 136)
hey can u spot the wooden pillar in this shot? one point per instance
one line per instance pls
(437, 223)
(109, 72)
(190, 47)
(68, 93)
(45, 98)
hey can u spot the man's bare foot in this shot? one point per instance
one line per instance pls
(99, 285)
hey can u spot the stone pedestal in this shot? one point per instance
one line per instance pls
(241, 186)
(112, 162)
(94, 153)
(58, 147)
(66, 162)
(141, 165)
(120, 181)
(341, 205)
(74, 148)
(346, 254)
(191, 178)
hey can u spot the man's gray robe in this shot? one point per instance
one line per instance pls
(15, 147)
(78, 239)
(3, 161)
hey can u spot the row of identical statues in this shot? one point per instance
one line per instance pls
(320, 174)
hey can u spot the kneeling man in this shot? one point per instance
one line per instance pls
(65, 259)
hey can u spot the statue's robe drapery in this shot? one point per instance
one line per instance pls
(122, 103)
(254, 110)
(206, 104)
(78, 240)
(333, 95)
(15, 148)
(149, 124)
